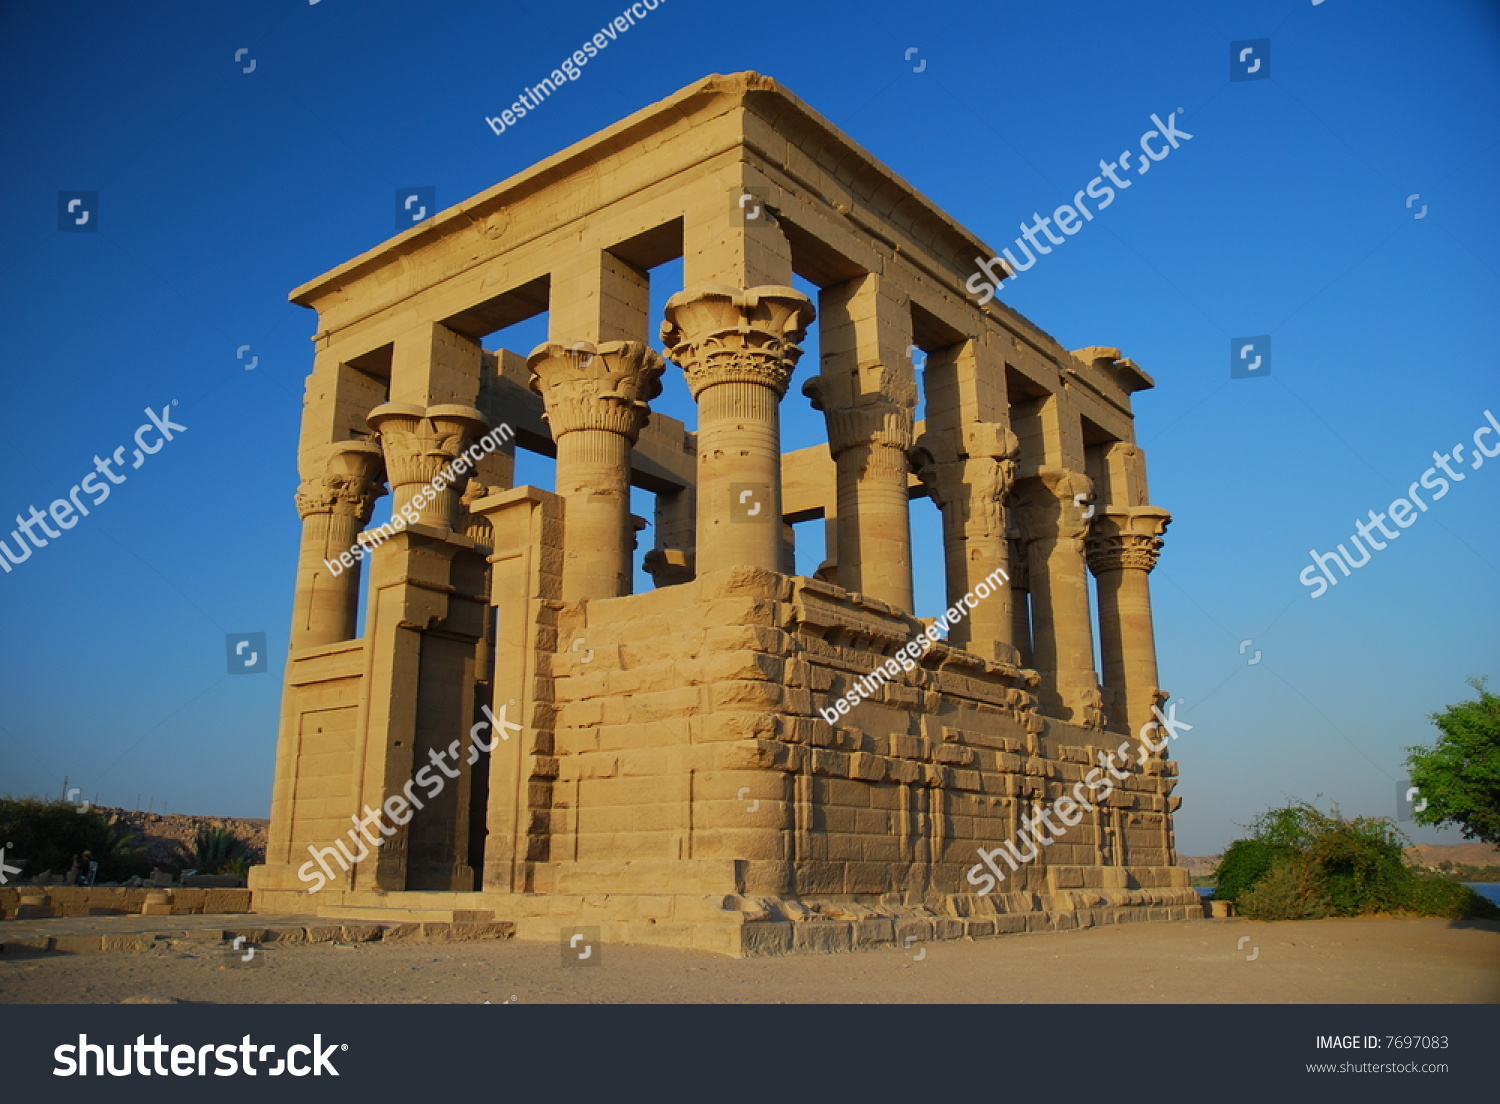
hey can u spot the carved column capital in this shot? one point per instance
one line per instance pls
(418, 441)
(669, 566)
(1054, 504)
(720, 334)
(971, 471)
(875, 409)
(869, 424)
(587, 386)
(349, 485)
(476, 525)
(1126, 538)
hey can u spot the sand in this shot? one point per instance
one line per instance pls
(1376, 960)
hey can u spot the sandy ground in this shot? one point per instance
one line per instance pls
(1382, 960)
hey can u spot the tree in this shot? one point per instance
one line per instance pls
(1459, 777)
(48, 833)
(214, 850)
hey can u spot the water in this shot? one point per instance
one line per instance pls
(1490, 891)
(1205, 891)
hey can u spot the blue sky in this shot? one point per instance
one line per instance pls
(1286, 215)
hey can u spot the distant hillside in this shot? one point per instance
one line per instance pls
(1422, 854)
(162, 832)
(1198, 865)
(1470, 854)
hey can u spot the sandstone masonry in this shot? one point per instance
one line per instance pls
(673, 781)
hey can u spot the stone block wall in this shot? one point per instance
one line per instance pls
(689, 737)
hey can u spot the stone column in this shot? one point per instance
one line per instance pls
(1123, 546)
(968, 473)
(672, 560)
(419, 442)
(426, 613)
(869, 441)
(737, 348)
(334, 507)
(1020, 595)
(1062, 637)
(596, 398)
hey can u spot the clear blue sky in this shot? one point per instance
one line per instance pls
(1286, 214)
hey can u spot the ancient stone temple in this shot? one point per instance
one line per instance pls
(481, 719)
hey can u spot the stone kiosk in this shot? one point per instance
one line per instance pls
(659, 764)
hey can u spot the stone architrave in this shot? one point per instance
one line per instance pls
(419, 443)
(1123, 545)
(968, 474)
(334, 507)
(869, 440)
(596, 398)
(737, 348)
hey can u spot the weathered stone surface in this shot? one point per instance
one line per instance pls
(806, 749)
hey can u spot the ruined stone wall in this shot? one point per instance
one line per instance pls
(689, 733)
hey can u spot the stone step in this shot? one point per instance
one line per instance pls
(405, 915)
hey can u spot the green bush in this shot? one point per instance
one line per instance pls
(1246, 862)
(1293, 889)
(1363, 866)
(1294, 827)
(214, 849)
(1303, 864)
(1432, 895)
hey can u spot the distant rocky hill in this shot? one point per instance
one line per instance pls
(1422, 854)
(161, 833)
(1198, 865)
(1470, 854)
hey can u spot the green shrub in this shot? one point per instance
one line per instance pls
(1293, 827)
(1293, 889)
(1246, 862)
(1432, 895)
(1300, 864)
(214, 849)
(1362, 864)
